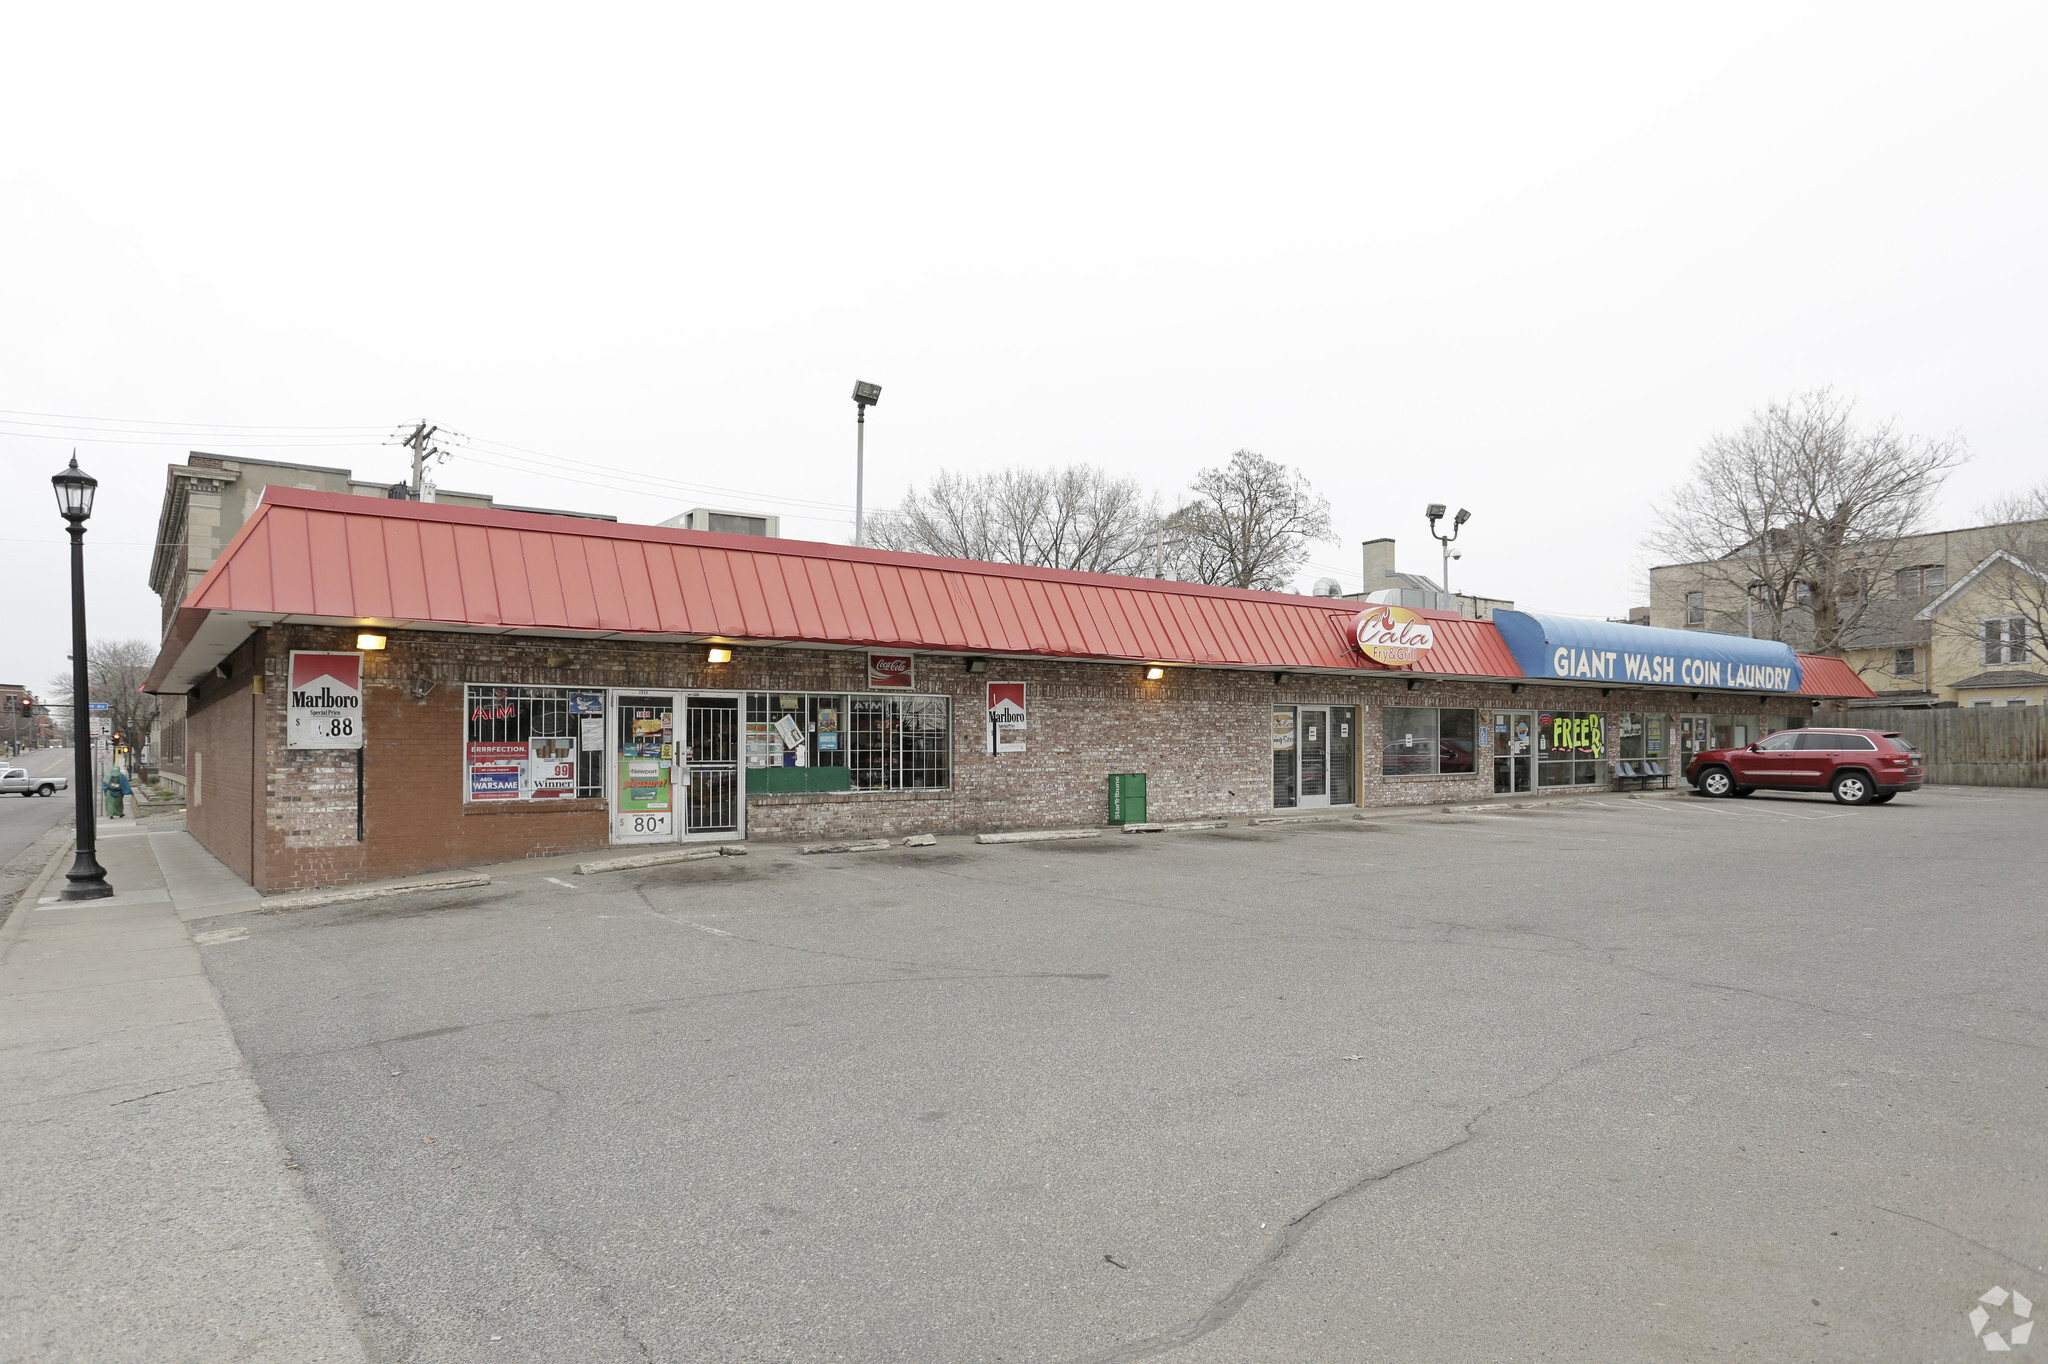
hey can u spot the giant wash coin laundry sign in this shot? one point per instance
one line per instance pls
(1573, 649)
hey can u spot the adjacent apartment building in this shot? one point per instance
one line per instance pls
(1949, 618)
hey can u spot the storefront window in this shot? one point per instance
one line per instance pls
(898, 743)
(1343, 751)
(532, 743)
(885, 743)
(1734, 731)
(814, 735)
(1425, 741)
(1629, 737)
(1283, 758)
(1569, 747)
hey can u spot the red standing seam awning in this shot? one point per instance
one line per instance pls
(333, 558)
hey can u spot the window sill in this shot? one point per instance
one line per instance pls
(822, 797)
(530, 807)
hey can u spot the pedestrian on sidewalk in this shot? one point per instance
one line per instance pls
(117, 789)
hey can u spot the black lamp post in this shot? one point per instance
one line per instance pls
(87, 878)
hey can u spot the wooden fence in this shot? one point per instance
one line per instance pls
(1971, 745)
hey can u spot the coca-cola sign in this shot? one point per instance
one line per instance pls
(1392, 635)
(889, 672)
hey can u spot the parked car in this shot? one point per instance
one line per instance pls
(17, 781)
(1856, 766)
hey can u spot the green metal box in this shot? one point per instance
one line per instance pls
(1127, 798)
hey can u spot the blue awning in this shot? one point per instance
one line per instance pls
(1573, 648)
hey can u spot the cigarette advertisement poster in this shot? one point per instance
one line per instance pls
(550, 768)
(324, 704)
(1006, 717)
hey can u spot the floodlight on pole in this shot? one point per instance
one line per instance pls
(1435, 514)
(865, 396)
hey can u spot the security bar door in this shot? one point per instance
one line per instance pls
(1313, 729)
(713, 801)
(643, 767)
(1695, 736)
(1514, 747)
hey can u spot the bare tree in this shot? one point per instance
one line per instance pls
(1801, 512)
(1078, 517)
(1248, 525)
(114, 671)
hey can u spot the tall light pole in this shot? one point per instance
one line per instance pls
(1436, 514)
(87, 878)
(865, 396)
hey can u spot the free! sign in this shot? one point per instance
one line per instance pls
(1392, 635)
(324, 704)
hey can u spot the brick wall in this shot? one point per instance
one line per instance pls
(221, 720)
(1203, 737)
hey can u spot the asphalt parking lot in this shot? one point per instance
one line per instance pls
(1635, 1079)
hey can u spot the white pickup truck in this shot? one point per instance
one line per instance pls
(15, 781)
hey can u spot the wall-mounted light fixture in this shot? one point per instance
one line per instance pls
(977, 665)
(1154, 674)
(372, 643)
(1411, 684)
(1280, 679)
(558, 659)
(717, 655)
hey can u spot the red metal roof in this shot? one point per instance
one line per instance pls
(336, 557)
(1822, 675)
(341, 559)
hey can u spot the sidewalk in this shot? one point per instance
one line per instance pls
(149, 1211)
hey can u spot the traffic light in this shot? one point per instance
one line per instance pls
(28, 707)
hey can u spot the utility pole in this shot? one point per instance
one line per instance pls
(421, 453)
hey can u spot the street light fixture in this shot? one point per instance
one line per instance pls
(87, 878)
(865, 396)
(1436, 514)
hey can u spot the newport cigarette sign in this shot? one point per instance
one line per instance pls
(324, 704)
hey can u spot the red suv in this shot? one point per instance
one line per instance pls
(1859, 766)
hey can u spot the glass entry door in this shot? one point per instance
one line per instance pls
(713, 800)
(643, 767)
(1314, 747)
(1315, 756)
(1514, 751)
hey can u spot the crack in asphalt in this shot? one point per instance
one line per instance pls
(1298, 1227)
(1969, 1240)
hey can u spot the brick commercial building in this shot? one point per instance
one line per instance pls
(377, 688)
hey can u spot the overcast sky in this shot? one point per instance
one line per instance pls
(1522, 260)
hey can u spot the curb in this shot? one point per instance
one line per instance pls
(33, 891)
(343, 897)
(661, 859)
(1301, 819)
(846, 846)
(1038, 836)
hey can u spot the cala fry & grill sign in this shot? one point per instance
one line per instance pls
(1392, 635)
